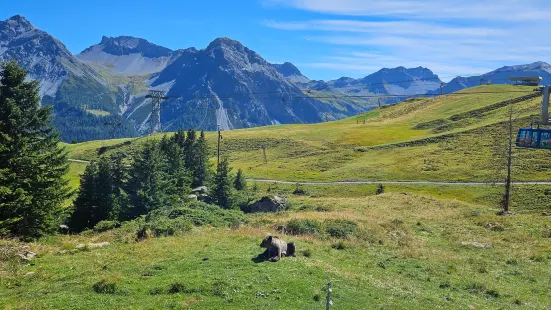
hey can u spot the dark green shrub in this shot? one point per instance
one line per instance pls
(104, 287)
(169, 227)
(299, 191)
(340, 228)
(156, 291)
(304, 227)
(339, 245)
(176, 288)
(106, 225)
(199, 214)
(307, 253)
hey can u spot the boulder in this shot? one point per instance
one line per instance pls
(477, 244)
(93, 245)
(26, 256)
(268, 204)
(192, 197)
(200, 190)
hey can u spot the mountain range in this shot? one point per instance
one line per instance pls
(225, 84)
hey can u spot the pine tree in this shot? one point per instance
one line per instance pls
(190, 149)
(239, 182)
(99, 194)
(178, 175)
(32, 165)
(179, 138)
(222, 193)
(147, 185)
(84, 204)
(201, 167)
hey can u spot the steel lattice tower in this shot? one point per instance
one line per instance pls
(155, 119)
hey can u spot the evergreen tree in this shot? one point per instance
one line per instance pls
(222, 193)
(201, 167)
(178, 175)
(190, 149)
(147, 185)
(99, 195)
(179, 138)
(239, 182)
(32, 165)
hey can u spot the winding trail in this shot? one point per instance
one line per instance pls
(399, 182)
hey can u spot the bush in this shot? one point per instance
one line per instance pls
(106, 225)
(304, 227)
(340, 228)
(105, 287)
(339, 245)
(299, 191)
(202, 214)
(168, 227)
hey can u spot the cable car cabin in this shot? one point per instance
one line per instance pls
(534, 138)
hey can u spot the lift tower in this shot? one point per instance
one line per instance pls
(155, 119)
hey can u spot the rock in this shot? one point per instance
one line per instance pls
(200, 189)
(26, 256)
(477, 244)
(205, 258)
(192, 197)
(202, 197)
(268, 204)
(64, 229)
(93, 245)
(544, 214)
(28, 274)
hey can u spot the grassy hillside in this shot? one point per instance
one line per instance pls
(446, 138)
(408, 251)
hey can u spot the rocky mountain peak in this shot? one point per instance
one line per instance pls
(224, 41)
(126, 45)
(287, 69)
(538, 65)
(16, 25)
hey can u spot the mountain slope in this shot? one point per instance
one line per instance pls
(73, 88)
(396, 81)
(129, 55)
(292, 73)
(229, 85)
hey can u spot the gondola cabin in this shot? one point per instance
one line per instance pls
(534, 138)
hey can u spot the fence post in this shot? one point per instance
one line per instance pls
(329, 302)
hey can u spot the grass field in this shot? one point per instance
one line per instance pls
(413, 247)
(406, 252)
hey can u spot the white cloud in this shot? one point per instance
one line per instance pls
(512, 10)
(451, 37)
(394, 27)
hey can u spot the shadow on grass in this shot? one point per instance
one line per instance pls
(262, 257)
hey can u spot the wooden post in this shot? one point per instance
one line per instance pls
(264, 152)
(329, 302)
(218, 145)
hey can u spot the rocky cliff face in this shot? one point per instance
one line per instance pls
(129, 55)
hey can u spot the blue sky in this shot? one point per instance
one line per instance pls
(326, 39)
